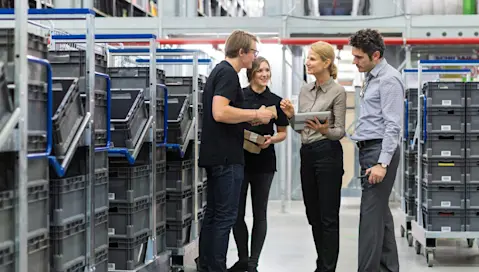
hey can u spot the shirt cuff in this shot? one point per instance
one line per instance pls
(385, 158)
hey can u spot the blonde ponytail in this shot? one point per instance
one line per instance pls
(333, 70)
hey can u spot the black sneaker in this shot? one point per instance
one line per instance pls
(239, 267)
(252, 269)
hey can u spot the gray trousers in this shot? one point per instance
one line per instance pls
(377, 250)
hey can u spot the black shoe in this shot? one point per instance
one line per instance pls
(252, 269)
(239, 267)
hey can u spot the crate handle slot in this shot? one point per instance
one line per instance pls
(443, 137)
(446, 213)
(448, 188)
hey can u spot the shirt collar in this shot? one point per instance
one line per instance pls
(265, 92)
(375, 71)
(324, 86)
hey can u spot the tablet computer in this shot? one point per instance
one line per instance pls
(301, 118)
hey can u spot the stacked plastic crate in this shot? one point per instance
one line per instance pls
(472, 155)
(69, 192)
(130, 186)
(443, 166)
(180, 170)
(37, 172)
(410, 152)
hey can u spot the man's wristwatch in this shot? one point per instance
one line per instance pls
(383, 165)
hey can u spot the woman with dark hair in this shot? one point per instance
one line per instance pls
(321, 152)
(259, 168)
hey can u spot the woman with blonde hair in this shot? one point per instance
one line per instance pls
(321, 152)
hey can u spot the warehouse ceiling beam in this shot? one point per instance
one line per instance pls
(424, 26)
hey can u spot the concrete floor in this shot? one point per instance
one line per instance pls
(289, 246)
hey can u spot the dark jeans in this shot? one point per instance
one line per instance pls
(321, 181)
(260, 186)
(224, 187)
(377, 242)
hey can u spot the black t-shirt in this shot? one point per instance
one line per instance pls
(265, 161)
(221, 144)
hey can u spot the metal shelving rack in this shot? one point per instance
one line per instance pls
(424, 238)
(21, 14)
(405, 219)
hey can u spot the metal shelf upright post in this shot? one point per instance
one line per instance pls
(405, 218)
(21, 15)
(425, 238)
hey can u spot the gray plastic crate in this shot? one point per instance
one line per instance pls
(178, 233)
(409, 185)
(101, 190)
(127, 254)
(78, 163)
(37, 170)
(68, 113)
(410, 163)
(101, 259)
(472, 172)
(472, 94)
(134, 77)
(446, 121)
(179, 118)
(161, 177)
(472, 219)
(183, 85)
(450, 146)
(129, 183)
(100, 116)
(68, 197)
(411, 206)
(127, 220)
(411, 119)
(472, 196)
(443, 196)
(38, 259)
(472, 146)
(160, 238)
(128, 117)
(179, 207)
(161, 209)
(444, 172)
(37, 195)
(445, 94)
(411, 96)
(179, 175)
(37, 46)
(101, 228)
(444, 220)
(72, 63)
(68, 246)
(472, 120)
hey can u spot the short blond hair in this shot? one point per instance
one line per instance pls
(237, 40)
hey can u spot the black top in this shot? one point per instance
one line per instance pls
(265, 161)
(221, 144)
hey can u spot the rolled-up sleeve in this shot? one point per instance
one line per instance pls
(391, 93)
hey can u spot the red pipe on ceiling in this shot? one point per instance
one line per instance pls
(308, 41)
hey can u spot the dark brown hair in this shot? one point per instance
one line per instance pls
(256, 64)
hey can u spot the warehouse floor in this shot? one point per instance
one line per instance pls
(289, 246)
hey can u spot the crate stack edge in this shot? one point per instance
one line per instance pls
(131, 197)
(443, 193)
(472, 156)
(68, 193)
(180, 170)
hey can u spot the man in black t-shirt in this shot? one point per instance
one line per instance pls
(221, 149)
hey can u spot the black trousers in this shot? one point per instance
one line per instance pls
(260, 187)
(321, 180)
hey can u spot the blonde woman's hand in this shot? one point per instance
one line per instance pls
(287, 107)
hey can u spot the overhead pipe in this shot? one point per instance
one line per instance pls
(308, 41)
